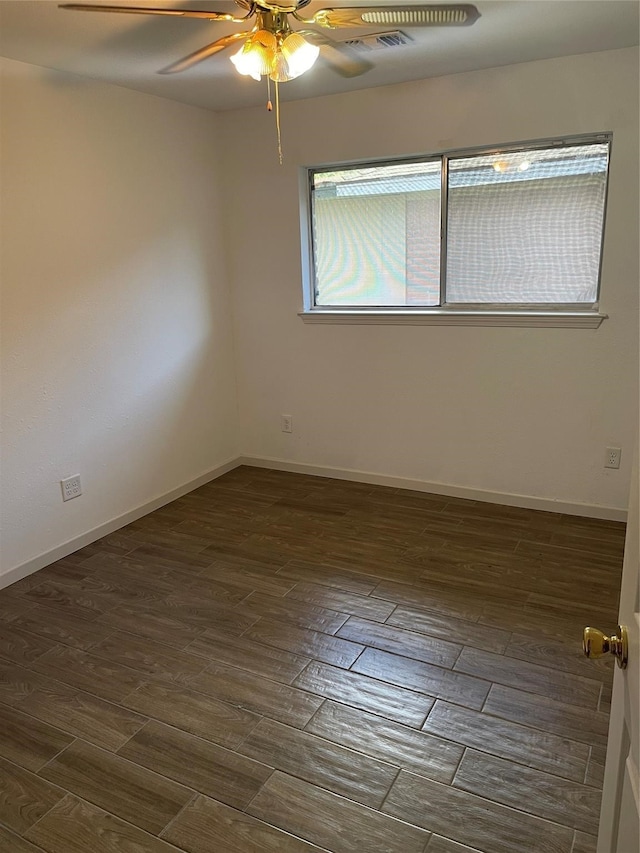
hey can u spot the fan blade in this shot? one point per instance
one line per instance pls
(147, 10)
(203, 53)
(339, 57)
(449, 15)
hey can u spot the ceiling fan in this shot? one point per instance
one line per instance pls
(272, 48)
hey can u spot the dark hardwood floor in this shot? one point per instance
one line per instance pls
(278, 663)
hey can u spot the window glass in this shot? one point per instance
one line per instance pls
(376, 235)
(524, 230)
(526, 227)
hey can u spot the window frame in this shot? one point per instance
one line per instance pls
(565, 315)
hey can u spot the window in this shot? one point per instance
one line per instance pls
(515, 233)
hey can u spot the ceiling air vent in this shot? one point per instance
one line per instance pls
(379, 40)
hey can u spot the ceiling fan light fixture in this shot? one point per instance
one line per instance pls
(299, 54)
(246, 62)
(279, 72)
(257, 55)
(281, 57)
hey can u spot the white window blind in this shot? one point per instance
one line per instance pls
(526, 227)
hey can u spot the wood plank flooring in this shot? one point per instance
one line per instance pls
(278, 663)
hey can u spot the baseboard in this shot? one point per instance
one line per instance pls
(111, 526)
(506, 498)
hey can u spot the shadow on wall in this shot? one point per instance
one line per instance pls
(118, 335)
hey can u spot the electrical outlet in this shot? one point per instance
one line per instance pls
(71, 487)
(612, 457)
(286, 423)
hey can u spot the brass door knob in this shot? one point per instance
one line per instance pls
(596, 644)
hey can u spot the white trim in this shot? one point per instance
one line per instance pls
(441, 317)
(446, 489)
(39, 562)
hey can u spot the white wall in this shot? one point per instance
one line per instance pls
(512, 411)
(117, 356)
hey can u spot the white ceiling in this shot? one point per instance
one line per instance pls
(128, 50)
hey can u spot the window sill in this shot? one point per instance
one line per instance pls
(439, 317)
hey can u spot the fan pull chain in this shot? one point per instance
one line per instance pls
(269, 104)
(278, 121)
